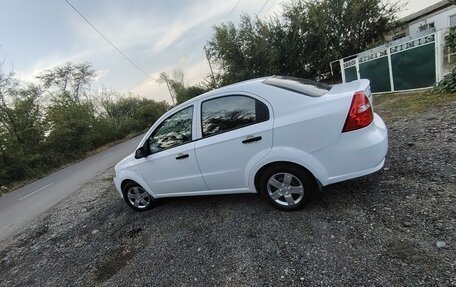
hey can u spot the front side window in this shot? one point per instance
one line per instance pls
(231, 112)
(174, 131)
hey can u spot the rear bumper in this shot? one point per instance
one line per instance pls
(356, 153)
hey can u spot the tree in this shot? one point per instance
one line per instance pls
(71, 115)
(190, 92)
(448, 83)
(125, 115)
(71, 126)
(302, 41)
(37, 134)
(70, 80)
(21, 129)
(178, 89)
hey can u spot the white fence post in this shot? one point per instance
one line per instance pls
(358, 75)
(342, 71)
(439, 55)
(390, 68)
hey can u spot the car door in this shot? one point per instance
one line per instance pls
(171, 167)
(236, 132)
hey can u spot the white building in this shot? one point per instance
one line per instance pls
(438, 16)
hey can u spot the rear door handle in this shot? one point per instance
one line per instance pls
(182, 156)
(251, 139)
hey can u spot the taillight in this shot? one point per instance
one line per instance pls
(360, 114)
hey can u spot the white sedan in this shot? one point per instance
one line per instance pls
(283, 137)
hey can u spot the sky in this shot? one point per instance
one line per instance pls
(158, 36)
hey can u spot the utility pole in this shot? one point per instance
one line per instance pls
(210, 66)
(163, 77)
(170, 93)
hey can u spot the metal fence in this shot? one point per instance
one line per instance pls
(405, 64)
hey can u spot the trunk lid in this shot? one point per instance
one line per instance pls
(350, 88)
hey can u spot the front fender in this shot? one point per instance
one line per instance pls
(130, 175)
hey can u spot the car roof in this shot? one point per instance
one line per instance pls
(254, 86)
(244, 85)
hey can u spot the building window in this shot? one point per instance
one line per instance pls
(452, 20)
(399, 36)
(425, 27)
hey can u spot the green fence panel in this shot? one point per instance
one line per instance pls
(414, 68)
(378, 74)
(350, 74)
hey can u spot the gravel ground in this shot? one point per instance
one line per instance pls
(396, 227)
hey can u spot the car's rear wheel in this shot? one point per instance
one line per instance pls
(137, 197)
(287, 187)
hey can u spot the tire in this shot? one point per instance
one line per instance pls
(287, 187)
(137, 198)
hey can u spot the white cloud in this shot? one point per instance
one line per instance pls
(170, 33)
(100, 74)
(153, 30)
(48, 62)
(152, 90)
(156, 40)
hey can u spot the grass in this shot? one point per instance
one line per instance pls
(406, 103)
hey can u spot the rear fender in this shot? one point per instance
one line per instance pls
(287, 154)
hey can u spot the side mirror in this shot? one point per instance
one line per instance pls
(140, 152)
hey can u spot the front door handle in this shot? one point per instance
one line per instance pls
(182, 156)
(251, 139)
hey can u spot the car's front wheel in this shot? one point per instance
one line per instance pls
(137, 197)
(287, 187)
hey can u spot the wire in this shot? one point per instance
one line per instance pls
(258, 14)
(110, 43)
(273, 3)
(229, 14)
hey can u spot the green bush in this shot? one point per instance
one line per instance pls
(448, 84)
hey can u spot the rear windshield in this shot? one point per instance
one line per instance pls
(298, 85)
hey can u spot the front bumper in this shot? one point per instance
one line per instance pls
(117, 183)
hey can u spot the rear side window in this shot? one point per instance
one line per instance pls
(299, 85)
(231, 112)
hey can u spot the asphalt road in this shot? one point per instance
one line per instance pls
(22, 205)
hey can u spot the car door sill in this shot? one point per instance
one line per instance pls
(207, 192)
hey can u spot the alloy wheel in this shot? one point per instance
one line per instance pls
(285, 189)
(138, 197)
